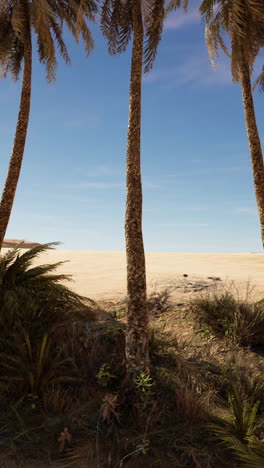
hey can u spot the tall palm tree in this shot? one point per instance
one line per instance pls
(17, 20)
(119, 18)
(242, 21)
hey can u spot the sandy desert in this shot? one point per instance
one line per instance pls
(102, 275)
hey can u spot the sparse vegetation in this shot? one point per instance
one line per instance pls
(64, 397)
(227, 314)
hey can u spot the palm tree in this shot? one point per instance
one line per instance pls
(243, 22)
(119, 18)
(17, 20)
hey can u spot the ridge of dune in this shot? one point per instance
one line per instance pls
(10, 243)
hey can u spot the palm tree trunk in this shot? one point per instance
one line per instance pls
(137, 338)
(9, 191)
(253, 139)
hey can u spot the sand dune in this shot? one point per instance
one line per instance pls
(102, 275)
(9, 243)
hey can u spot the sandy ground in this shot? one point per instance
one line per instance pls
(102, 275)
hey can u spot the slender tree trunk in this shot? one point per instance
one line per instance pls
(253, 139)
(137, 338)
(9, 191)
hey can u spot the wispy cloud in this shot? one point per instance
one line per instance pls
(183, 224)
(101, 170)
(202, 170)
(172, 205)
(85, 121)
(96, 185)
(106, 185)
(180, 19)
(246, 210)
(195, 70)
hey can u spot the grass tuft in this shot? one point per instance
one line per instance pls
(227, 314)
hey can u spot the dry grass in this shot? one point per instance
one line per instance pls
(96, 423)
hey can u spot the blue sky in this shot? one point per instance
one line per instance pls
(196, 170)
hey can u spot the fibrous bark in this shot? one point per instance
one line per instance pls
(253, 139)
(137, 339)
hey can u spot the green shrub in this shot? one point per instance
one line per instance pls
(238, 433)
(33, 297)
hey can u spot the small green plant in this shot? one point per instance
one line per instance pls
(144, 385)
(118, 313)
(203, 332)
(143, 382)
(104, 375)
(144, 446)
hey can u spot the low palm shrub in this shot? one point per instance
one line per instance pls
(33, 304)
(27, 369)
(33, 296)
(239, 432)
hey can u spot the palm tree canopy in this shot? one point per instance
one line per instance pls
(117, 26)
(241, 20)
(46, 19)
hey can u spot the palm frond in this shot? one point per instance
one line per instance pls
(243, 22)
(116, 24)
(57, 31)
(34, 298)
(259, 82)
(174, 5)
(25, 260)
(153, 30)
(46, 18)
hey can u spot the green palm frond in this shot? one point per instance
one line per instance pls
(237, 433)
(34, 365)
(24, 261)
(34, 297)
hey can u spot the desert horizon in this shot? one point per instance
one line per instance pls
(101, 275)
